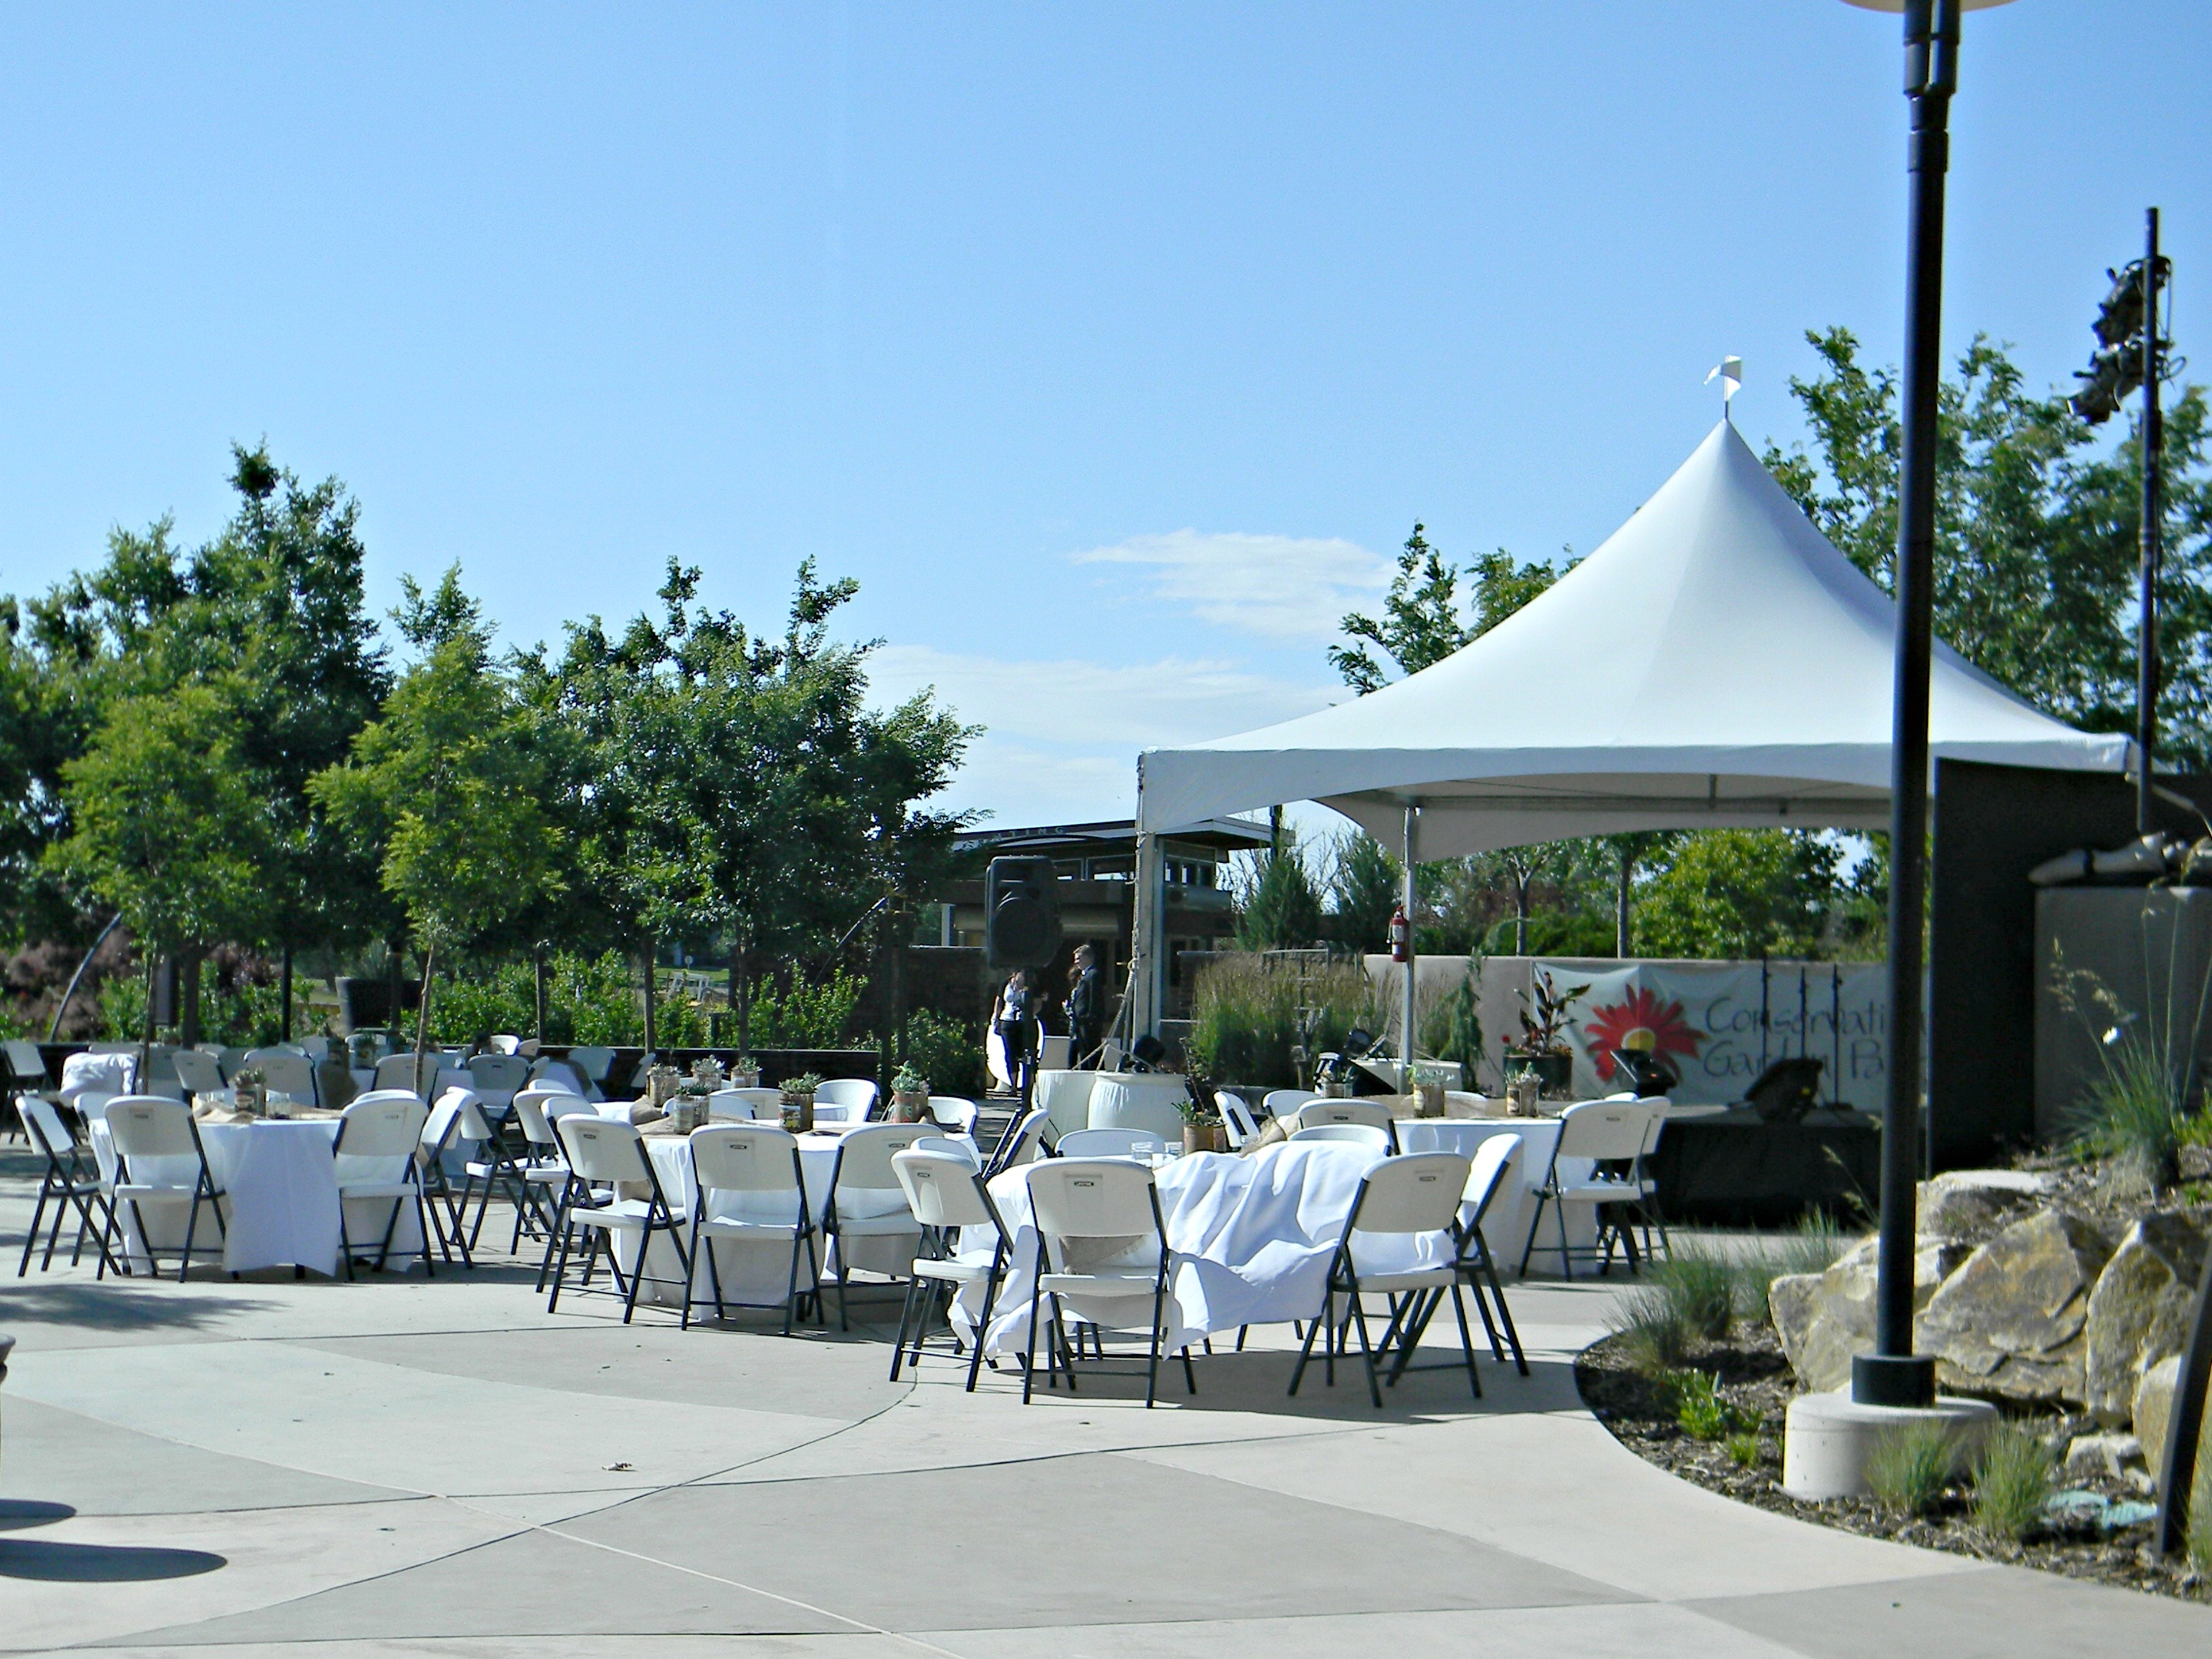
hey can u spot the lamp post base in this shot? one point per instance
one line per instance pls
(1899, 1379)
(1829, 1439)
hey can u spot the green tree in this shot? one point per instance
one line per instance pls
(166, 826)
(2037, 532)
(1743, 893)
(446, 784)
(1364, 887)
(1282, 911)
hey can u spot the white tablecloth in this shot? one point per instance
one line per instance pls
(755, 1271)
(1254, 1238)
(282, 1198)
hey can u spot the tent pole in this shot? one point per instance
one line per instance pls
(1147, 942)
(1406, 1020)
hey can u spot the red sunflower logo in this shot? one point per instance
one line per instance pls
(1638, 1021)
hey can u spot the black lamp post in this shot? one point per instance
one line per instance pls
(1892, 1375)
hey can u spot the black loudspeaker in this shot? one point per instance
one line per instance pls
(364, 1005)
(1021, 906)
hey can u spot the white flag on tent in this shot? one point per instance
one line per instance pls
(1729, 373)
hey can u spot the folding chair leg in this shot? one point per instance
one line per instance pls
(637, 1272)
(1465, 1341)
(983, 1324)
(1305, 1350)
(1060, 1330)
(1366, 1349)
(1028, 1356)
(31, 1243)
(192, 1226)
(560, 1272)
(906, 1315)
(1535, 1221)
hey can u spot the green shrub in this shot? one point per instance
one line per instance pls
(1450, 1030)
(1698, 1407)
(1702, 1289)
(2200, 1515)
(1911, 1467)
(948, 1054)
(2133, 1115)
(1246, 1016)
(2011, 1481)
(1814, 1247)
(1742, 1447)
(1648, 1330)
(805, 1014)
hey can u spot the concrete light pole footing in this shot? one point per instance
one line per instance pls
(1829, 1437)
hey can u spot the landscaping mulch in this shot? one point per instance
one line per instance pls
(1756, 1381)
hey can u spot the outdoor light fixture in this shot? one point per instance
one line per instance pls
(1892, 1375)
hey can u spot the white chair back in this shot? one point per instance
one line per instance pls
(529, 1112)
(505, 1042)
(558, 1075)
(959, 1146)
(25, 1063)
(398, 1072)
(1344, 1111)
(1493, 1162)
(765, 1103)
(736, 1157)
(1601, 1129)
(1355, 1134)
(1658, 1105)
(864, 1157)
(226, 1055)
(286, 1072)
(444, 1117)
(600, 1149)
(731, 1105)
(591, 1064)
(942, 1191)
(45, 1126)
(1417, 1193)
(852, 1098)
(507, 1072)
(1110, 1143)
(1091, 1198)
(381, 1127)
(1281, 1102)
(1237, 1118)
(198, 1072)
(1025, 1142)
(151, 1126)
(951, 1112)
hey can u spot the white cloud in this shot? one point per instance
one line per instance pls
(1282, 587)
(1062, 737)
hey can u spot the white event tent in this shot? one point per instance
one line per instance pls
(1715, 662)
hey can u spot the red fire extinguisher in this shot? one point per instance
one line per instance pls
(1401, 936)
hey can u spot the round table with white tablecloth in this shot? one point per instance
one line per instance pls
(281, 1198)
(1113, 1100)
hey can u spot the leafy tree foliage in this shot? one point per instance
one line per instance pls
(1742, 893)
(2037, 532)
(1423, 620)
(1362, 891)
(1282, 910)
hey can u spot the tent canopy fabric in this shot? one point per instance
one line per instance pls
(1716, 662)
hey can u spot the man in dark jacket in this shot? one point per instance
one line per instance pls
(1086, 1007)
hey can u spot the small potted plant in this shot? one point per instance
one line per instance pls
(745, 1073)
(909, 1095)
(687, 1107)
(249, 1092)
(798, 1101)
(1542, 1047)
(1203, 1130)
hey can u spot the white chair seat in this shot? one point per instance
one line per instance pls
(877, 1226)
(547, 1172)
(1133, 1281)
(1429, 1278)
(376, 1189)
(626, 1214)
(738, 1227)
(963, 1269)
(1597, 1192)
(140, 1192)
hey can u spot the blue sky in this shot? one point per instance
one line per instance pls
(1114, 349)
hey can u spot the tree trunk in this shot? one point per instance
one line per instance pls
(188, 998)
(146, 1037)
(423, 1014)
(741, 997)
(651, 977)
(1620, 928)
(538, 968)
(284, 996)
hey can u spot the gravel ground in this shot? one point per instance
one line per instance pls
(1755, 1378)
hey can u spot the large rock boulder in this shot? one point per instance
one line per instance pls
(1969, 1203)
(2011, 1323)
(1823, 1319)
(2139, 1311)
(2154, 1404)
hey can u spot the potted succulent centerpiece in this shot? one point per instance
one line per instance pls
(1541, 1048)
(687, 1107)
(745, 1073)
(249, 1092)
(798, 1101)
(1203, 1130)
(909, 1095)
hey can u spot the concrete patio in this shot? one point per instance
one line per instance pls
(273, 1467)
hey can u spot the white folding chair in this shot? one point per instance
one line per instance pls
(441, 1130)
(504, 1043)
(758, 1164)
(947, 1193)
(1416, 1194)
(860, 1182)
(1074, 1201)
(72, 1179)
(374, 1133)
(1646, 1209)
(535, 1111)
(739, 1105)
(1281, 1102)
(1315, 1113)
(145, 1129)
(1022, 1144)
(494, 1165)
(600, 1150)
(197, 1073)
(1493, 1166)
(847, 1100)
(400, 1072)
(1351, 1134)
(591, 1065)
(959, 1146)
(1236, 1118)
(1110, 1143)
(550, 1074)
(498, 1075)
(951, 1112)
(1599, 1132)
